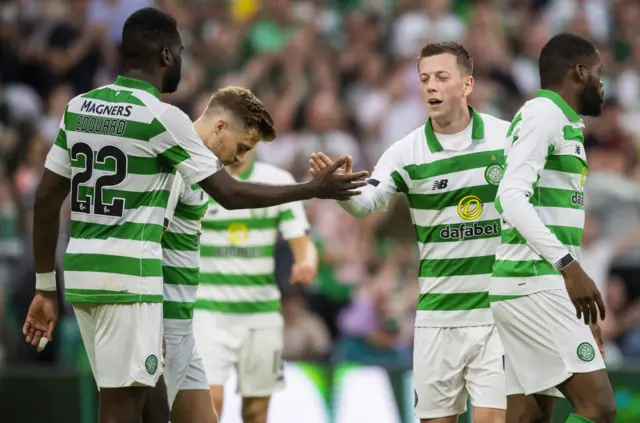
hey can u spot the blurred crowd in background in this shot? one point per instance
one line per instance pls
(338, 76)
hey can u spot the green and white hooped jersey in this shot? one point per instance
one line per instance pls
(237, 263)
(181, 255)
(450, 182)
(546, 164)
(120, 146)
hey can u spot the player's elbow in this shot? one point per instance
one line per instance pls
(227, 198)
(50, 195)
(511, 197)
(40, 206)
(224, 189)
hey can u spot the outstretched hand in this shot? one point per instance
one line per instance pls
(331, 179)
(320, 161)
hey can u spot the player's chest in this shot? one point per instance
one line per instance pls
(449, 171)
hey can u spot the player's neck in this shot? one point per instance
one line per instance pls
(141, 75)
(568, 94)
(452, 124)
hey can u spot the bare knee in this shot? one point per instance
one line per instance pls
(598, 412)
(488, 415)
(449, 419)
(591, 396)
(122, 405)
(254, 410)
(528, 416)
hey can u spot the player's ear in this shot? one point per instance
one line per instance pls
(166, 57)
(468, 85)
(221, 125)
(581, 72)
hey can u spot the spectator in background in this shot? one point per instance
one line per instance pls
(306, 337)
(598, 251)
(50, 123)
(376, 327)
(621, 328)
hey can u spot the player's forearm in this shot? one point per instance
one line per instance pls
(304, 251)
(46, 226)
(517, 210)
(251, 195)
(364, 204)
(232, 194)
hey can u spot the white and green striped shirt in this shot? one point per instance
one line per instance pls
(541, 197)
(181, 255)
(120, 146)
(237, 263)
(450, 182)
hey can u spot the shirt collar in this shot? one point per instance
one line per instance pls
(561, 103)
(477, 131)
(123, 81)
(246, 174)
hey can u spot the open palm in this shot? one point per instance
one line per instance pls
(320, 161)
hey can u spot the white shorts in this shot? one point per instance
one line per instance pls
(255, 353)
(183, 367)
(451, 363)
(544, 342)
(123, 342)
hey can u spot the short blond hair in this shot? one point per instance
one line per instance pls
(244, 106)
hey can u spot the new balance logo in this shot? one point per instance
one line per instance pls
(442, 184)
(577, 150)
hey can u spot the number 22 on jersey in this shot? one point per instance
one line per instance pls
(82, 193)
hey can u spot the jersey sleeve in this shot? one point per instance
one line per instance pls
(532, 137)
(387, 179)
(58, 160)
(177, 190)
(181, 146)
(292, 218)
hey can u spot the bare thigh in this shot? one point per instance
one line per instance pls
(193, 406)
(255, 410)
(488, 415)
(591, 396)
(156, 405)
(122, 405)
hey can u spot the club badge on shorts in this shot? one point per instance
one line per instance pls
(586, 352)
(151, 364)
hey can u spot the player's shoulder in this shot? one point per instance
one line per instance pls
(169, 114)
(542, 110)
(272, 173)
(128, 97)
(407, 144)
(494, 124)
(75, 105)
